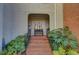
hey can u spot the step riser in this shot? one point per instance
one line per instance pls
(39, 45)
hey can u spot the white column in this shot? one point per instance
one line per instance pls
(44, 27)
(59, 15)
(55, 8)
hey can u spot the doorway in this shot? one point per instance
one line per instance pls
(38, 24)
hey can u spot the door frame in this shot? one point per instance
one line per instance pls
(48, 20)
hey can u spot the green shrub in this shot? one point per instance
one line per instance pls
(55, 52)
(62, 37)
(72, 52)
(60, 51)
(15, 46)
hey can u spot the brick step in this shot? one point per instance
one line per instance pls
(39, 45)
(40, 50)
(39, 37)
(38, 41)
(38, 53)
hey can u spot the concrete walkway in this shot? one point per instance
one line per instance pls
(39, 45)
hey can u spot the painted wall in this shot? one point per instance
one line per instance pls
(8, 23)
(16, 17)
(71, 18)
(20, 20)
(1, 24)
(23, 10)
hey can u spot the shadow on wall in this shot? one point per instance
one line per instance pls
(3, 44)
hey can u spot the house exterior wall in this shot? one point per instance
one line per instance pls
(8, 21)
(71, 18)
(23, 10)
(1, 24)
(16, 17)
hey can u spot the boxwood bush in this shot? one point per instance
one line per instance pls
(62, 41)
(15, 46)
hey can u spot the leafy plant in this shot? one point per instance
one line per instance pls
(60, 51)
(55, 52)
(62, 37)
(72, 52)
(15, 46)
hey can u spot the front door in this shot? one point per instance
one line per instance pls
(38, 27)
(38, 24)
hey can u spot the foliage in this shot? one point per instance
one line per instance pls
(62, 37)
(15, 46)
(62, 51)
(72, 52)
(55, 52)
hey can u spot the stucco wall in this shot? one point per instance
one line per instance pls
(71, 18)
(1, 24)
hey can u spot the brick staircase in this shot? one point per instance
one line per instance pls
(38, 45)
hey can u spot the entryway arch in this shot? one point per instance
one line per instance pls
(38, 24)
